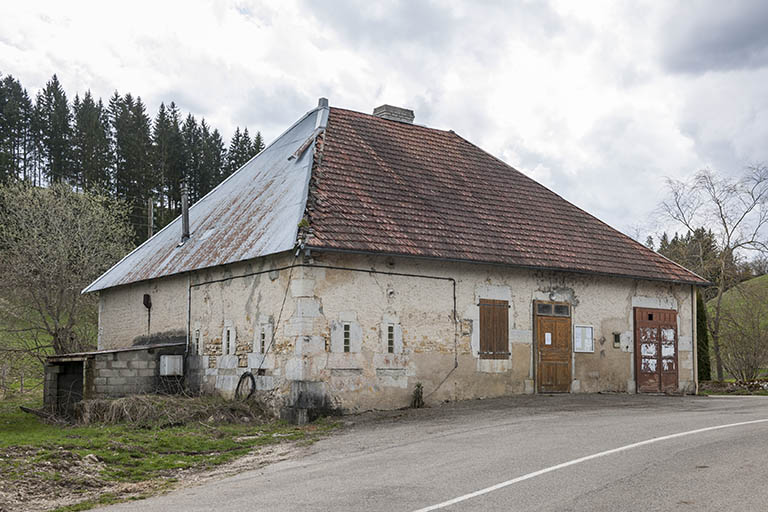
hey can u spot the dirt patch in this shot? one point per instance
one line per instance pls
(70, 479)
(254, 460)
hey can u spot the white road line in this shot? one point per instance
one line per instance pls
(579, 461)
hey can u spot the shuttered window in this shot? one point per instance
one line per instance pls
(494, 329)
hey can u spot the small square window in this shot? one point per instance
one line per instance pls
(544, 309)
(391, 338)
(562, 310)
(347, 338)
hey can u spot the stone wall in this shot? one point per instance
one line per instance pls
(310, 334)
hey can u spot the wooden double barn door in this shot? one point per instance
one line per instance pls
(553, 354)
(656, 350)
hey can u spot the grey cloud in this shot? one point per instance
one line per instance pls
(715, 35)
(430, 24)
(272, 110)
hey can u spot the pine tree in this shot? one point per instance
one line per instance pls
(168, 161)
(55, 125)
(247, 148)
(134, 179)
(192, 149)
(233, 154)
(702, 339)
(258, 144)
(16, 146)
(91, 155)
(241, 150)
(212, 159)
(114, 148)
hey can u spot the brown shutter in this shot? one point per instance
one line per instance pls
(494, 329)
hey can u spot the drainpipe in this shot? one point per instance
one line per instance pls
(695, 341)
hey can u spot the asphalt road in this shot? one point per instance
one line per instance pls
(411, 460)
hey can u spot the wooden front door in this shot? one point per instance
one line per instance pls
(656, 350)
(553, 347)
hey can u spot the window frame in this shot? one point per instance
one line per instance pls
(229, 340)
(390, 338)
(591, 338)
(483, 335)
(346, 333)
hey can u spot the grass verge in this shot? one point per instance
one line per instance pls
(79, 467)
(731, 387)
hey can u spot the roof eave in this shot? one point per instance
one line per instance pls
(506, 264)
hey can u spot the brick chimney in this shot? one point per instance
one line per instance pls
(402, 115)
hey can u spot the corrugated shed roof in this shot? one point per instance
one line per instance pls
(253, 213)
(390, 187)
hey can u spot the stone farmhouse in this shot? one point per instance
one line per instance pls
(359, 255)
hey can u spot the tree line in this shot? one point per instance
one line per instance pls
(115, 149)
(724, 218)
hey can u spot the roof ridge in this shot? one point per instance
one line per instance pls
(400, 123)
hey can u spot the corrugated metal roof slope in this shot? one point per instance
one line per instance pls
(390, 187)
(255, 212)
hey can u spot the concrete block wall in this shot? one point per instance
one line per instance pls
(130, 372)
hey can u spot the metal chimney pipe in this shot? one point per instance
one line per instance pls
(184, 213)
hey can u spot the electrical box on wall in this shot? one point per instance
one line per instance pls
(626, 342)
(171, 366)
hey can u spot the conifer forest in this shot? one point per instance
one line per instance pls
(115, 147)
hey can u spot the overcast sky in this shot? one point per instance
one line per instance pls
(600, 101)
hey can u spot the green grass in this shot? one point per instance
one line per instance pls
(35, 449)
(740, 392)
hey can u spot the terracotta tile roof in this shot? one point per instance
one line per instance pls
(389, 187)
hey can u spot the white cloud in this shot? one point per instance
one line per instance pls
(598, 100)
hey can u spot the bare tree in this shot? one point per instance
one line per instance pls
(53, 243)
(736, 210)
(744, 332)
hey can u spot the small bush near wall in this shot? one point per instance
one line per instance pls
(161, 411)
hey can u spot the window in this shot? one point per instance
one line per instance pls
(262, 337)
(347, 338)
(583, 338)
(549, 309)
(617, 340)
(391, 338)
(229, 340)
(198, 345)
(494, 329)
